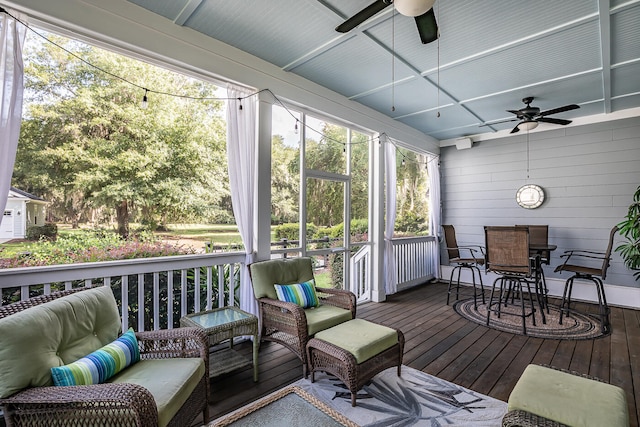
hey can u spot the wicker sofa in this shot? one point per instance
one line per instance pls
(168, 386)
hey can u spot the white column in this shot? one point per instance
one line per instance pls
(263, 186)
(377, 221)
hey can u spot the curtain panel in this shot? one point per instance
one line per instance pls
(12, 35)
(242, 142)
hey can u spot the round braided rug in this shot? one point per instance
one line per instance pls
(576, 326)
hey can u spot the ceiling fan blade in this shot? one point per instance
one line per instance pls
(515, 129)
(554, 121)
(516, 112)
(558, 110)
(427, 26)
(362, 16)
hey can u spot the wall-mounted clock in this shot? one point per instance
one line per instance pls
(530, 196)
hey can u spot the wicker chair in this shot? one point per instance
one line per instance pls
(576, 262)
(473, 260)
(113, 404)
(287, 323)
(508, 256)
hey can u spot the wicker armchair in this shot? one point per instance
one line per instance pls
(113, 404)
(287, 323)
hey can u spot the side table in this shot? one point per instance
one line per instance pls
(222, 324)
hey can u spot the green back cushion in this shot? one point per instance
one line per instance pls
(54, 334)
(283, 271)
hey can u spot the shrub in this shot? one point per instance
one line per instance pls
(290, 231)
(48, 231)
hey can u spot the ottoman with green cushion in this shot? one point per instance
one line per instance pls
(355, 351)
(567, 399)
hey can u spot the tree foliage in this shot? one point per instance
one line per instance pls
(88, 147)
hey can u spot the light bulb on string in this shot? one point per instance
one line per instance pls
(145, 102)
(403, 162)
(240, 101)
(295, 128)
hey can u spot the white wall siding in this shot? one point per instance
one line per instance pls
(589, 174)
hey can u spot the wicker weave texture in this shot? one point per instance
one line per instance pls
(286, 323)
(327, 357)
(109, 404)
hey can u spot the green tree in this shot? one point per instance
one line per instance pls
(88, 146)
(325, 199)
(285, 181)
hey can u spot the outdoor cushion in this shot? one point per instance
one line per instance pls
(325, 316)
(361, 338)
(54, 334)
(170, 381)
(285, 271)
(302, 294)
(102, 364)
(569, 399)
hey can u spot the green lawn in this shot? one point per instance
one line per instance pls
(218, 234)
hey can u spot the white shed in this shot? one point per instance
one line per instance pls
(23, 210)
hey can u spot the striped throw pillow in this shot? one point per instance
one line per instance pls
(302, 294)
(100, 365)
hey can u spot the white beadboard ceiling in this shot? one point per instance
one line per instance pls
(490, 55)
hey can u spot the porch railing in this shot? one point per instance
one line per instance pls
(153, 293)
(413, 257)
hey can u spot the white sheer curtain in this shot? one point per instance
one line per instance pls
(241, 152)
(435, 209)
(12, 35)
(391, 281)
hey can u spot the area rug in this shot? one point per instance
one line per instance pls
(574, 327)
(414, 399)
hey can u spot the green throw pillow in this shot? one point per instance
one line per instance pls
(100, 365)
(302, 294)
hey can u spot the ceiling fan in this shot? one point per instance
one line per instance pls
(420, 10)
(530, 116)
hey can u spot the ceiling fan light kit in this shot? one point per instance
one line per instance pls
(528, 125)
(413, 7)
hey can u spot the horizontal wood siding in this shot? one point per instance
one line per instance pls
(589, 174)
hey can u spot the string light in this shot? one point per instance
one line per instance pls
(145, 98)
(145, 102)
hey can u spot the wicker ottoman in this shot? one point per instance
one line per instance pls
(550, 397)
(355, 351)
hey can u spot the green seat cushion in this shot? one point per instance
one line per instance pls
(170, 381)
(569, 399)
(361, 338)
(324, 317)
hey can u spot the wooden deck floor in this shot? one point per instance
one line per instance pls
(441, 343)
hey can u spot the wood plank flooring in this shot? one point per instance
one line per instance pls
(441, 343)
